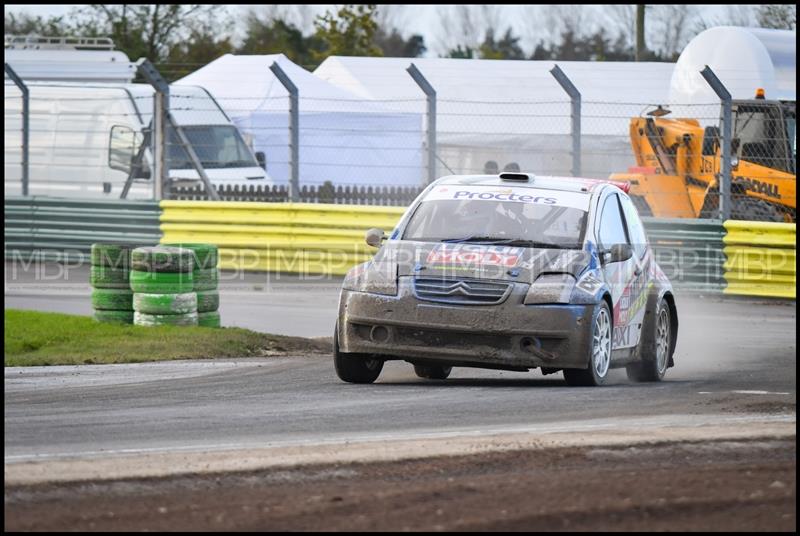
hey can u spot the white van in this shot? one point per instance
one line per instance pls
(88, 122)
(83, 138)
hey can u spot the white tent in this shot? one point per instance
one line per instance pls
(344, 138)
(515, 111)
(744, 59)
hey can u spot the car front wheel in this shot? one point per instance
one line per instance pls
(600, 357)
(355, 368)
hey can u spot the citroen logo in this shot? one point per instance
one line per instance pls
(459, 288)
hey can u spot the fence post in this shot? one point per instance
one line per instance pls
(160, 135)
(430, 95)
(294, 130)
(25, 126)
(575, 114)
(727, 132)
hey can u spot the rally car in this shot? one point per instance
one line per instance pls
(512, 272)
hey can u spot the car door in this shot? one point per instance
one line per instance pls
(620, 276)
(637, 290)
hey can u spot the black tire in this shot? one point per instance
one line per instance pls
(599, 351)
(744, 207)
(206, 256)
(432, 372)
(355, 368)
(112, 255)
(162, 259)
(656, 351)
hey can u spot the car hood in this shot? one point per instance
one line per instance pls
(479, 261)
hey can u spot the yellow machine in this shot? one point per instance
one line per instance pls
(679, 162)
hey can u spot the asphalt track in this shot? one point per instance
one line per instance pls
(735, 362)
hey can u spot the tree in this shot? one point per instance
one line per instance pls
(390, 39)
(506, 48)
(393, 44)
(348, 32)
(778, 16)
(24, 24)
(277, 36)
(202, 47)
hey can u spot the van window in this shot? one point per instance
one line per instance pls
(218, 147)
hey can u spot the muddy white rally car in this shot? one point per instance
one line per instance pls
(513, 272)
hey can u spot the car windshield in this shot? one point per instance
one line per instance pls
(490, 221)
(218, 147)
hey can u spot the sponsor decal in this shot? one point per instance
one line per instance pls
(589, 283)
(622, 337)
(535, 196)
(763, 188)
(475, 255)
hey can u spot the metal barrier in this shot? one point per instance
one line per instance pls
(43, 228)
(304, 238)
(689, 251)
(761, 259)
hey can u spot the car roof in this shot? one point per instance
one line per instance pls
(546, 182)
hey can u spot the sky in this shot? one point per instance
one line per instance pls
(528, 22)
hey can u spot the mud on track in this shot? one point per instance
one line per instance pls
(710, 485)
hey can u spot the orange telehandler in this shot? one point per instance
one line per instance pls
(679, 163)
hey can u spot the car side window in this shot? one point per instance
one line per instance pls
(612, 226)
(635, 227)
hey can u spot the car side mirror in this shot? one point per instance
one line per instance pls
(374, 237)
(618, 253)
(261, 158)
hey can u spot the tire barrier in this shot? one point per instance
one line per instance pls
(165, 304)
(144, 319)
(162, 259)
(209, 319)
(109, 275)
(761, 259)
(112, 299)
(207, 301)
(206, 280)
(163, 284)
(114, 317)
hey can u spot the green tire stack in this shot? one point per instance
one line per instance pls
(109, 274)
(163, 286)
(206, 282)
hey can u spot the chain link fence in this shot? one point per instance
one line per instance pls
(100, 141)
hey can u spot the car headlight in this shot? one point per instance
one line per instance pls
(550, 288)
(373, 277)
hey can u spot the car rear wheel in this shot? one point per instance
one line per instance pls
(355, 368)
(656, 353)
(600, 357)
(432, 372)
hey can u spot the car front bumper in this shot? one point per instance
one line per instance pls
(509, 334)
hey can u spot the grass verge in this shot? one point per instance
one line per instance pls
(35, 338)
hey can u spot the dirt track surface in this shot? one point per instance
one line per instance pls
(720, 486)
